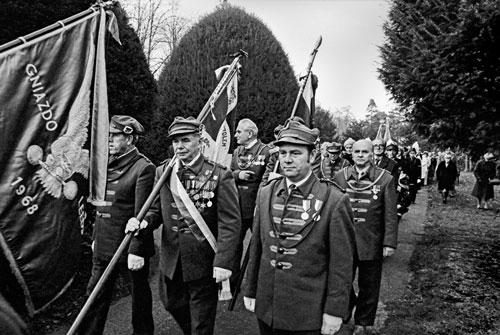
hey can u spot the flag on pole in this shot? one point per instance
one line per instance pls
(387, 134)
(46, 101)
(306, 106)
(220, 121)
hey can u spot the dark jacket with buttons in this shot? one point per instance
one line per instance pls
(211, 188)
(253, 159)
(129, 182)
(374, 200)
(301, 254)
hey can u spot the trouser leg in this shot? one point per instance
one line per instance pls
(203, 305)
(94, 321)
(369, 279)
(265, 329)
(142, 302)
(174, 295)
(245, 225)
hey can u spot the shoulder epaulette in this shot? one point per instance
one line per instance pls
(268, 182)
(333, 183)
(215, 164)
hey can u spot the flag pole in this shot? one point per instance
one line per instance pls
(309, 68)
(59, 24)
(303, 85)
(230, 72)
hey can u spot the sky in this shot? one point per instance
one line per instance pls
(347, 60)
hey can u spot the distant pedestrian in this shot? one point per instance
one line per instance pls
(483, 171)
(414, 169)
(426, 162)
(446, 174)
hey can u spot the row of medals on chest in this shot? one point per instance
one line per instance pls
(201, 189)
(249, 160)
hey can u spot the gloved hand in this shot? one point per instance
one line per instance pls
(135, 262)
(221, 274)
(331, 324)
(388, 251)
(134, 225)
(93, 245)
(249, 304)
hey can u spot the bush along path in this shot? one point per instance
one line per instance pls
(455, 284)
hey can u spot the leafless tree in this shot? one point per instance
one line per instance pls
(159, 28)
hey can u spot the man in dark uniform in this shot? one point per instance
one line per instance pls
(414, 172)
(248, 165)
(382, 161)
(401, 180)
(333, 163)
(201, 224)
(373, 198)
(129, 182)
(301, 254)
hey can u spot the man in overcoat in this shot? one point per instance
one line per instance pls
(381, 160)
(130, 180)
(301, 254)
(201, 224)
(373, 198)
(248, 165)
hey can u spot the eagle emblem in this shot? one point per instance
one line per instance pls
(67, 155)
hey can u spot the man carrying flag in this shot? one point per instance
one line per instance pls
(201, 226)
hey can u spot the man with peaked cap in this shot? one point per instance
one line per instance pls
(248, 165)
(333, 163)
(373, 197)
(301, 255)
(348, 150)
(272, 171)
(130, 180)
(201, 224)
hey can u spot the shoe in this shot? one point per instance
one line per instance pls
(362, 330)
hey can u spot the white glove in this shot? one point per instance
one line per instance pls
(331, 324)
(135, 262)
(249, 304)
(245, 174)
(388, 251)
(134, 225)
(221, 274)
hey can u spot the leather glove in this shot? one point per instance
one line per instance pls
(249, 304)
(135, 262)
(221, 274)
(134, 225)
(331, 324)
(388, 251)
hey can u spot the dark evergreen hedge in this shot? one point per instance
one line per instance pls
(267, 86)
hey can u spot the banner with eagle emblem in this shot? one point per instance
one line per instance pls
(46, 100)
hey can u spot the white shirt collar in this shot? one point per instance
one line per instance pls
(300, 182)
(192, 161)
(251, 144)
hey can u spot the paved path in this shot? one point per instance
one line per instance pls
(241, 322)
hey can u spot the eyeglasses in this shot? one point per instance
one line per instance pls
(378, 146)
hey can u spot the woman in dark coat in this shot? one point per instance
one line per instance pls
(483, 190)
(446, 174)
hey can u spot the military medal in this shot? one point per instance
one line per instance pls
(317, 207)
(209, 203)
(306, 205)
(375, 190)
